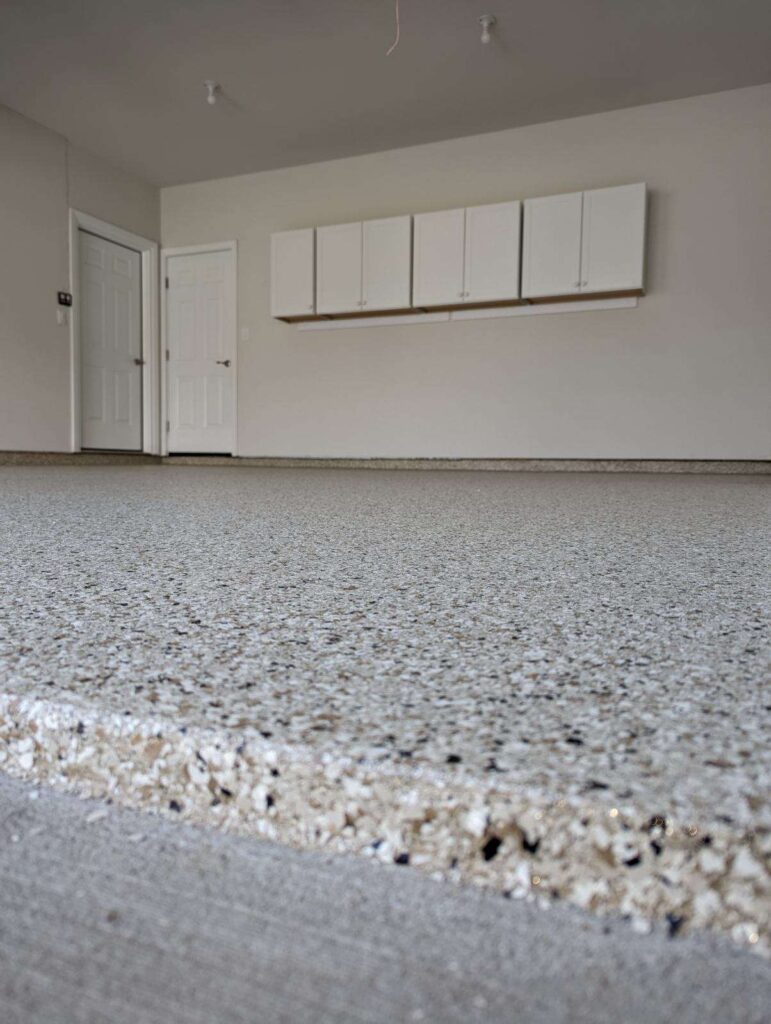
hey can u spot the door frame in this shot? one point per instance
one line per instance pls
(151, 351)
(196, 250)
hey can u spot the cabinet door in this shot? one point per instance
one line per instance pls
(613, 239)
(386, 263)
(291, 273)
(437, 268)
(338, 268)
(552, 246)
(492, 252)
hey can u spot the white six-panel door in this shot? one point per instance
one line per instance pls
(438, 258)
(386, 263)
(492, 252)
(552, 246)
(200, 333)
(613, 238)
(110, 344)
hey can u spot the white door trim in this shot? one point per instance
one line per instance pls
(192, 250)
(151, 353)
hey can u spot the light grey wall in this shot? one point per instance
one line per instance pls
(113, 196)
(685, 375)
(39, 181)
(34, 265)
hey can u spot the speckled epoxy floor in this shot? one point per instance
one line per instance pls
(543, 650)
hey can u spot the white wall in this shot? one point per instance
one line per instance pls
(34, 351)
(112, 195)
(686, 375)
(40, 178)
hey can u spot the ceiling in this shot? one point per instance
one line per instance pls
(307, 80)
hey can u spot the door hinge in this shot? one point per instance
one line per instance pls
(167, 355)
(168, 426)
(167, 282)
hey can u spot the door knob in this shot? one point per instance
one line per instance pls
(222, 362)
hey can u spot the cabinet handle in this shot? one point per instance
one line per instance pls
(584, 284)
(577, 284)
(460, 295)
(364, 302)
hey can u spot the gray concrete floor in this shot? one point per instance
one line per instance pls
(110, 916)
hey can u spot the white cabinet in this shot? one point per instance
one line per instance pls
(363, 266)
(580, 243)
(613, 239)
(338, 268)
(291, 273)
(386, 263)
(491, 262)
(552, 246)
(464, 256)
(437, 268)
(584, 242)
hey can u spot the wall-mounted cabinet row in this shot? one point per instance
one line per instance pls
(582, 243)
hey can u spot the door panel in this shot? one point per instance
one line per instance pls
(552, 246)
(492, 252)
(613, 239)
(110, 344)
(386, 263)
(123, 397)
(292, 273)
(200, 331)
(437, 271)
(338, 268)
(184, 393)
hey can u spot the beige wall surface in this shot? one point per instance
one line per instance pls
(40, 178)
(685, 375)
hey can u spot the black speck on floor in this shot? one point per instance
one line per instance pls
(491, 847)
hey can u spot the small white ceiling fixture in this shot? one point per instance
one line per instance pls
(487, 21)
(212, 88)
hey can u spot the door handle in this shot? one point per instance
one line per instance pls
(222, 362)
(138, 361)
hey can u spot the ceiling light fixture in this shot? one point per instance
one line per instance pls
(212, 89)
(487, 21)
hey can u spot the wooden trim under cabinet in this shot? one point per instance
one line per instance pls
(499, 304)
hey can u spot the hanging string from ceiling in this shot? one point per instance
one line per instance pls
(396, 41)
